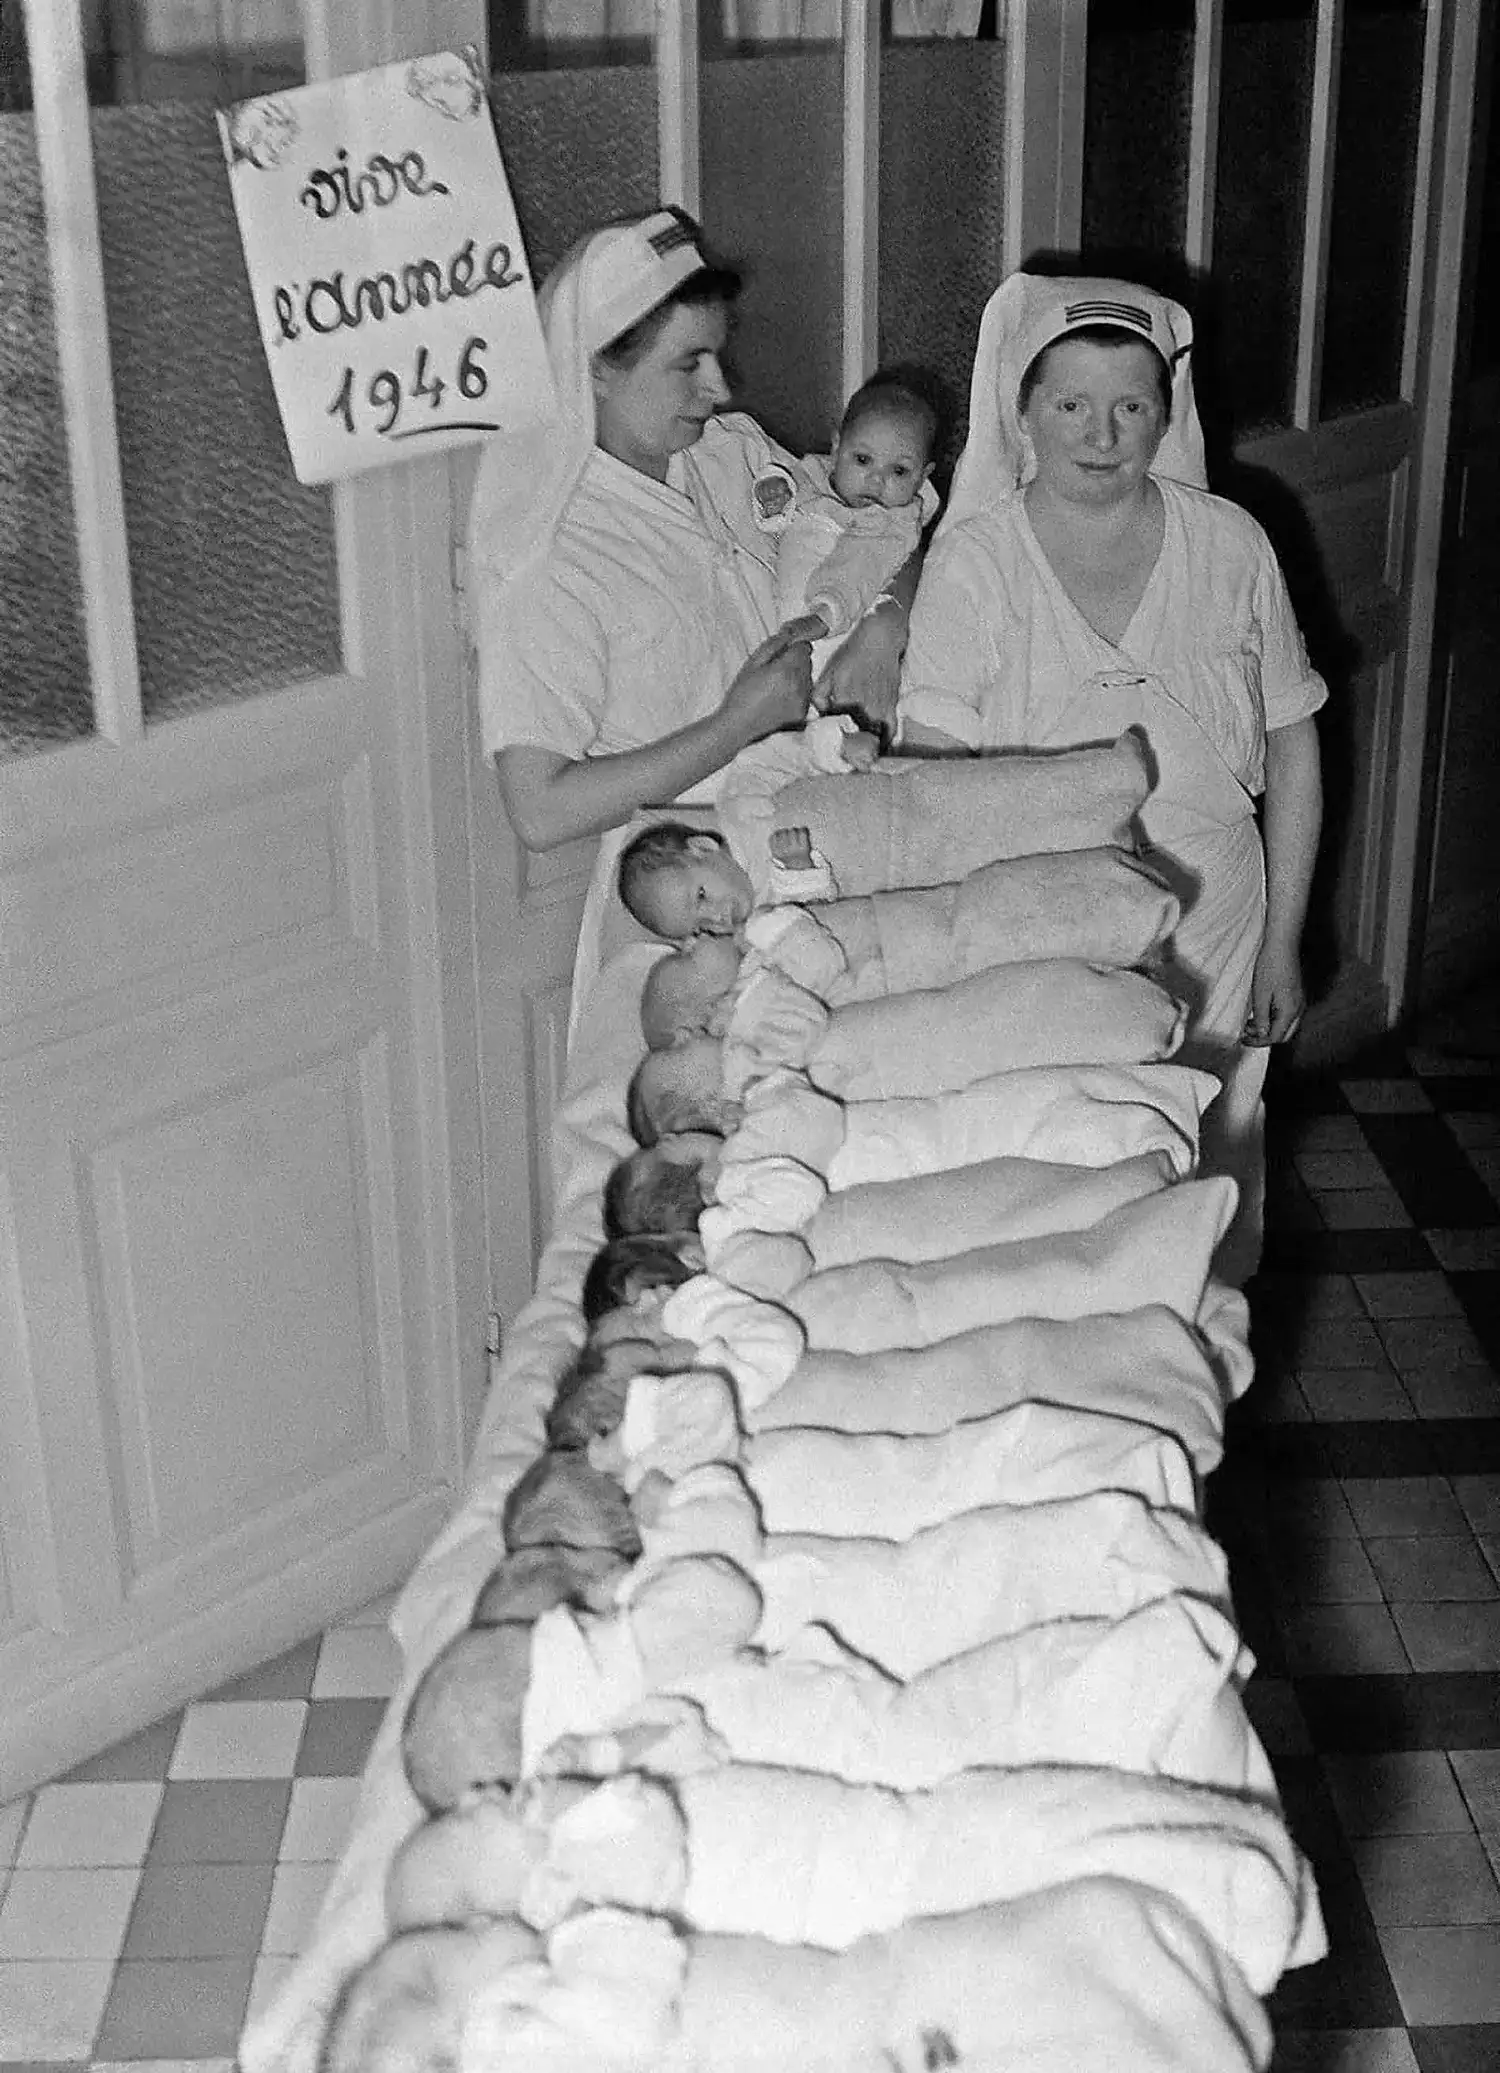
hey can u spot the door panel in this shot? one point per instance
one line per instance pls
(1310, 135)
(1464, 881)
(1461, 942)
(243, 1287)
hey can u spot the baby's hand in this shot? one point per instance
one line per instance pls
(859, 749)
(792, 848)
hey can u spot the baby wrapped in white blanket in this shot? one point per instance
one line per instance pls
(746, 1850)
(1095, 1975)
(1093, 1116)
(1152, 1250)
(1098, 906)
(1058, 1012)
(1148, 1366)
(1155, 1250)
(907, 1604)
(785, 1166)
(1156, 1690)
(910, 822)
(906, 823)
(888, 1485)
(1101, 905)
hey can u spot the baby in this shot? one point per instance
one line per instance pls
(623, 1319)
(624, 1268)
(405, 2011)
(870, 500)
(1102, 905)
(712, 990)
(909, 823)
(661, 1191)
(680, 1093)
(1059, 1011)
(679, 881)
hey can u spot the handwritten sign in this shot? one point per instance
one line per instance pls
(391, 286)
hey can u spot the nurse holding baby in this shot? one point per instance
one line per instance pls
(623, 557)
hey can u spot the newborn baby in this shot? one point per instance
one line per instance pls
(1056, 1012)
(1101, 905)
(678, 881)
(660, 1191)
(807, 1859)
(692, 991)
(909, 822)
(1096, 1975)
(406, 2010)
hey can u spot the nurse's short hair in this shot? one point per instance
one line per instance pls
(1102, 335)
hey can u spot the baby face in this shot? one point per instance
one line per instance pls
(880, 459)
(706, 894)
(688, 993)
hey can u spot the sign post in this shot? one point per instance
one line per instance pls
(391, 287)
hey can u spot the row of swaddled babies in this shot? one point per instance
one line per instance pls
(616, 1537)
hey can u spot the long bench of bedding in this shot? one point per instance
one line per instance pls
(908, 1732)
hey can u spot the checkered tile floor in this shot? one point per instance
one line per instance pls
(151, 1895)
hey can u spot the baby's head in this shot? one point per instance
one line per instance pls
(624, 1268)
(534, 1579)
(404, 2011)
(680, 881)
(462, 1730)
(561, 1501)
(885, 446)
(626, 1342)
(680, 1093)
(662, 1188)
(688, 992)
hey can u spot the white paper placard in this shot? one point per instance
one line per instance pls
(394, 300)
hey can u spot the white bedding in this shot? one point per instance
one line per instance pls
(1119, 1384)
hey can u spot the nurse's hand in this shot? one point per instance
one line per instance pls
(863, 676)
(1277, 996)
(774, 686)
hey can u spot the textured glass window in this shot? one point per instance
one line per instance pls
(232, 560)
(773, 168)
(1264, 121)
(44, 671)
(1137, 131)
(1379, 107)
(580, 147)
(942, 209)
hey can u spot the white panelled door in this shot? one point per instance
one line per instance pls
(243, 1283)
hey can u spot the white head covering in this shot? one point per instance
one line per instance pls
(1027, 313)
(608, 281)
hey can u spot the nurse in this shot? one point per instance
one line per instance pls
(622, 558)
(1084, 580)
